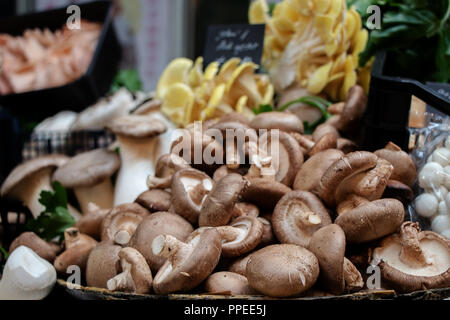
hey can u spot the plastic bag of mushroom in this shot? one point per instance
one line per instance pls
(432, 155)
(310, 218)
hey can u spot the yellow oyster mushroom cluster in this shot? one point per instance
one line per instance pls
(312, 43)
(189, 94)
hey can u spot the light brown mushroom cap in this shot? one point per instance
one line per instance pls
(218, 206)
(77, 249)
(371, 221)
(234, 117)
(328, 245)
(354, 109)
(268, 236)
(297, 216)
(273, 191)
(342, 168)
(121, 223)
(336, 108)
(222, 171)
(309, 175)
(88, 168)
(90, 222)
(136, 275)
(137, 126)
(404, 168)
(240, 237)
(190, 188)
(188, 264)
(282, 270)
(346, 145)
(284, 121)
(154, 225)
(103, 264)
(28, 168)
(229, 283)
(46, 250)
(412, 260)
(155, 200)
(368, 184)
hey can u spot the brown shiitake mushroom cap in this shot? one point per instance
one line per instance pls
(372, 220)
(342, 168)
(268, 236)
(241, 236)
(91, 222)
(284, 121)
(368, 184)
(297, 216)
(264, 193)
(244, 209)
(46, 250)
(231, 283)
(309, 175)
(239, 265)
(354, 109)
(222, 171)
(168, 164)
(88, 168)
(324, 129)
(120, 224)
(327, 141)
(136, 275)
(77, 249)
(188, 264)
(190, 188)
(346, 145)
(154, 200)
(287, 160)
(404, 168)
(414, 260)
(282, 270)
(103, 264)
(154, 225)
(218, 205)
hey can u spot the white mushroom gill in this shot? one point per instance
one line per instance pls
(436, 255)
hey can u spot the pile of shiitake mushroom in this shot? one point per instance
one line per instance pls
(311, 227)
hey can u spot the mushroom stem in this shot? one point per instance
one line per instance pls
(411, 252)
(229, 233)
(158, 183)
(32, 188)
(309, 218)
(102, 194)
(171, 248)
(71, 236)
(198, 193)
(123, 281)
(138, 157)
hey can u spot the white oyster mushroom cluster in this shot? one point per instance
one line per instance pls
(434, 178)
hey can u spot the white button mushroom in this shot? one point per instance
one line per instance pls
(431, 175)
(26, 276)
(441, 156)
(426, 205)
(440, 223)
(442, 208)
(447, 177)
(446, 233)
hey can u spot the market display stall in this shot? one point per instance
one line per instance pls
(313, 174)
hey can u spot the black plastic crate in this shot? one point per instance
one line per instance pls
(387, 114)
(81, 93)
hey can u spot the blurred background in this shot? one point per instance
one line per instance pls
(153, 32)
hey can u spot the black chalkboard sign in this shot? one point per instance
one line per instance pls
(244, 41)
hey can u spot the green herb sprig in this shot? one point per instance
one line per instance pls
(128, 79)
(55, 219)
